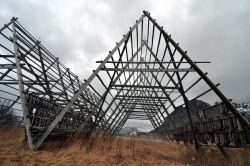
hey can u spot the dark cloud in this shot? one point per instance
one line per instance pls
(81, 32)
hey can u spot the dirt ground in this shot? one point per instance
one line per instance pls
(99, 151)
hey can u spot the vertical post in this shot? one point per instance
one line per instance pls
(180, 89)
(44, 72)
(186, 101)
(61, 79)
(21, 88)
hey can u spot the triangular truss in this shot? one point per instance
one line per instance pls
(147, 76)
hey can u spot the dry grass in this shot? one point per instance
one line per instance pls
(108, 151)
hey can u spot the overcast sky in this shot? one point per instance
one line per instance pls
(81, 32)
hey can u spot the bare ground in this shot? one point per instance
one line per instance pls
(103, 151)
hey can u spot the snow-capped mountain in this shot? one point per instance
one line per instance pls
(243, 107)
(129, 131)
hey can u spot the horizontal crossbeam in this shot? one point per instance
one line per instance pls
(142, 86)
(148, 70)
(151, 97)
(142, 62)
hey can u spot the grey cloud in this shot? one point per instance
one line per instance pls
(220, 34)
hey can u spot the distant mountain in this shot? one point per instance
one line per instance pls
(129, 131)
(243, 107)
